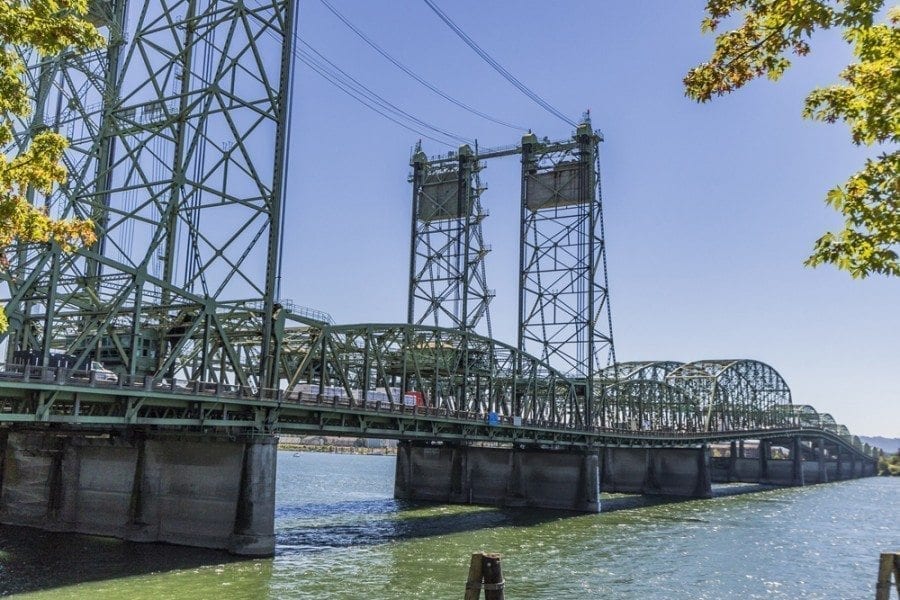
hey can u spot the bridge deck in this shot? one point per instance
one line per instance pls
(58, 398)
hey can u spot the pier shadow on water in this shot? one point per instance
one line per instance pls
(317, 527)
(32, 560)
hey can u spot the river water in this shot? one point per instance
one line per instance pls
(340, 534)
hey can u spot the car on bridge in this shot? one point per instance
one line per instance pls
(97, 373)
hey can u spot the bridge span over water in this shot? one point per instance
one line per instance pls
(161, 459)
(148, 374)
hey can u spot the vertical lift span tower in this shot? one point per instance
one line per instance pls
(564, 311)
(447, 282)
(563, 300)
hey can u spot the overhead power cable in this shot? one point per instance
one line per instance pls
(342, 80)
(362, 94)
(497, 66)
(414, 75)
(365, 91)
(338, 83)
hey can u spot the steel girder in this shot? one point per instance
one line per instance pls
(654, 370)
(828, 423)
(62, 399)
(178, 133)
(650, 405)
(805, 415)
(447, 279)
(704, 395)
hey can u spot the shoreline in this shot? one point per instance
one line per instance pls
(336, 449)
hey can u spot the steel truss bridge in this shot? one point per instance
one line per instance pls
(178, 151)
(346, 380)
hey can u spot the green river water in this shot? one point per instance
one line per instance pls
(340, 534)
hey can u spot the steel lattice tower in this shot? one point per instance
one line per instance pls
(178, 133)
(564, 313)
(447, 283)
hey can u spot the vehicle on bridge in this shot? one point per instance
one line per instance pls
(98, 373)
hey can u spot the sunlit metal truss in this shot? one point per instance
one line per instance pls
(733, 394)
(706, 395)
(178, 132)
(454, 370)
(564, 314)
(447, 279)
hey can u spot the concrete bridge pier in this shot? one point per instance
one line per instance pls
(205, 491)
(844, 465)
(784, 471)
(463, 474)
(723, 469)
(749, 469)
(682, 472)
(815, 468)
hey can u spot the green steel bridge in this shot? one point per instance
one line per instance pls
(350, 380)
(147, 375)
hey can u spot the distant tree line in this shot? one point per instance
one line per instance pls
(889, 465)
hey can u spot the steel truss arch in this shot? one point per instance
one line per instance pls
(735, 394)
(651, 405)
(655, 370)
(454, 370)
(827, 422)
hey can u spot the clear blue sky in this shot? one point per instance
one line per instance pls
(710, 209)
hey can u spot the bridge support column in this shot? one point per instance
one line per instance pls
(658, 471)
(498, 477)
(748, 469)
(765, 457)
(195, 491)
(723, 469)
(785, 471)
(843, 466)
(815, 470)
(855, 467)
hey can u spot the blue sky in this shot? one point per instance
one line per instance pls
(710, 209)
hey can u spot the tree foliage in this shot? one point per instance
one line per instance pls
(867, 100)
(50, 27)
(889, 465)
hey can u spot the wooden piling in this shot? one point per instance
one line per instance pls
(888, 565)
(485, 573)
(473, 583)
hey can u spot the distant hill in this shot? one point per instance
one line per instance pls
(889, 445)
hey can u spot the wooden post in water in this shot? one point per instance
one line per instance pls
(485, 572)
(889, 564)
(473, 583)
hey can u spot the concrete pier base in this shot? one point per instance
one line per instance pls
(657, 471)
(784, 472)
(497, 477)
(205, 492)
(814, 472)
(747, 470)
